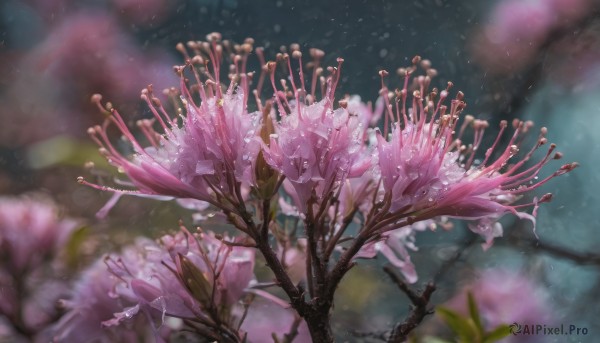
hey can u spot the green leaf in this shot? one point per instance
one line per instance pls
(432, 339)
(463, 327)
(474, 313)
(195, 281)
(497, 334)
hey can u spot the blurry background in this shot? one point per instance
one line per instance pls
(532, 59)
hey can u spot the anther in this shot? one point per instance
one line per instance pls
(96, 98)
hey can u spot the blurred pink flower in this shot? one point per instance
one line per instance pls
(93, 300)
(517, 28)
(31, 233)
(506, 297)
(266, 318)
(85, 53)
(153, 279)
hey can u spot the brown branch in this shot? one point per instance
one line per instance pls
(581, 258)
(419, 309)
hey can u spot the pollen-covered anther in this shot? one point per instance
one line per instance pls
(516, 123)
(343, 103)
(80, 179)
(270, 66)
(296, 54)
(246, 48)
(103, 152)
(545, 198)
(197, 60)
(316, 53)
(528, 125)
(178, 70)
(416, 60)
(213, 37)
(514, 149)
(570, 166)
(181, 48)
(91, 131)
(557, 156)
(480, 124)
(190, 44)
(96, 98)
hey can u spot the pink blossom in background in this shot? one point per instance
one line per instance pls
(31, 231)
(33, 237)
(131, 293)
(85, 53)
(506, 297)
(266, 318)
(92, 301)
(294, 259)
(517, 28)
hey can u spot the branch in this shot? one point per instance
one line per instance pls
(581, 258)
(419, 308)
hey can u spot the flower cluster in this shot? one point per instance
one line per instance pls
(316, 162)
(193, 277)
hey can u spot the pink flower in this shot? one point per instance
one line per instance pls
(316, 147)
(517, 28)
(505, 297)
(32, 237)
(266, 318)
(395, 246)
(427, 171)
(30, 232)
(154, 280)
(94, 300)
(157, 277)
(210, 154)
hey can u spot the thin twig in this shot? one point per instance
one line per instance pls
(419, 309)
(581, 258)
